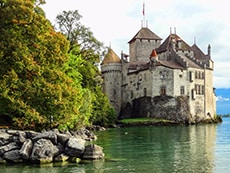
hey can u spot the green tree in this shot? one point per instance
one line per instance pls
(90, 49)
(35, 92)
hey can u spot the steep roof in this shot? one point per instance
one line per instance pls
(145, 33)
(111, 57)
(198, 54)
(167, 44)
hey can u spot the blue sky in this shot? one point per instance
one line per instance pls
(116, 22)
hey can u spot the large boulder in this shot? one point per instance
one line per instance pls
(51, 135)
(43, 151)
(9, 147)
(13, 156)
(5, 138)
(26, 149)
(93, 152)
(63, 138)
(75, 147)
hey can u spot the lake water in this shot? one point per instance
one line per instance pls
(161, 149)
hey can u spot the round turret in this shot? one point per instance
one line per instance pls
(111, 69)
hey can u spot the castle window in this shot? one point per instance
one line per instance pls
(182, 90)
(202, 90)
(202, 75)
(191, 76)
(114, 93)
(163, 90)
(145, 91)
(193, 94)
(131, 94)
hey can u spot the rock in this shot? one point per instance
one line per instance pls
(43, 151)
(22, 137)
(93, 152)
(26, 149)
(8, 147)
(63, 138)
(31, 134)
(75, 147)
(2, 160)
(61, 158)
(5, 138)
(46, 135)
(13, 156)
(84, 134)
(74, 159)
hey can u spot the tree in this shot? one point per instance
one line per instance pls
(90, 49)
(35, 92)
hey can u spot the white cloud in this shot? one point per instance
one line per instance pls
(116, 22)
(222, 99)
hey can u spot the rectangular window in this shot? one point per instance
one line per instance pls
(182, 90)
(145, 91)
(131, 94)
(193, 94)
(191, 76)
(202, 90)
(163, 91)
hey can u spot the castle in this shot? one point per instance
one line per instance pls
(171, 80)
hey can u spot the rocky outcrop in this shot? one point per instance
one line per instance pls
(51, 146)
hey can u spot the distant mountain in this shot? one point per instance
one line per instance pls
(223, 100)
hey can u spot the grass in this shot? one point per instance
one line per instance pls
(145, 121)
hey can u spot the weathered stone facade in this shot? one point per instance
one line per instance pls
(171, 70)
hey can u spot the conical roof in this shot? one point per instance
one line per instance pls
(154, 54)
(111, 57)
(145, 33)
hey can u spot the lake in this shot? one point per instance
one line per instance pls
(161, 149)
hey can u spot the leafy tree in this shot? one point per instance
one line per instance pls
(35, 92)
(90, 49)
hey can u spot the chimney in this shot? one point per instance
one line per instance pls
(209, 50)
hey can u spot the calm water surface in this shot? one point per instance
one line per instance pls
(179, 149)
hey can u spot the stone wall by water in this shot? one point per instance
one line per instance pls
(166, 107)
(29, 146)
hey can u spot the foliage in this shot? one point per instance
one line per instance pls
(83, 43)
(35, 92)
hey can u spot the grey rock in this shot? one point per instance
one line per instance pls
(75, 147)
(31, 134)
(63, 138)
(93, 152)
(8, 147)
(22, 137)
(26, 149)
(5, 138)
(46, 135)
(13, 156)
(43, 151)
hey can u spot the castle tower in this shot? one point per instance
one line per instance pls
(111, 69)
(141, 45)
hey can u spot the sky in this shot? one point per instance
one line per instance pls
(115, 22)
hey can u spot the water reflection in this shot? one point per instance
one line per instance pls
(166, 149)
(161, 149)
